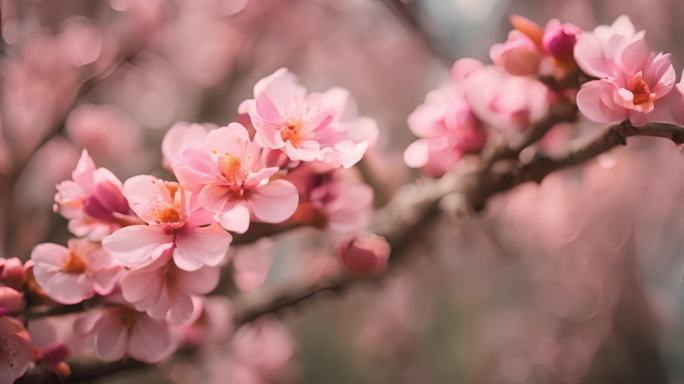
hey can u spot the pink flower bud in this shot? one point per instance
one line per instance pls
(559, 39)
(365, 254)
(11, 272)
(10, 300)
(519, 55)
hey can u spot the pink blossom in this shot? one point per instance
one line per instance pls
(308, 126)
(595, 51)
(346, 206)
(181, 136)
(174, 221)
(507, 103)
(448, 130)
(519, 55)
(229, 173)
(71, 275)
(251, 264)
(120, 331)
(633, 81)
(167, 292)
(15, 350)
(93, 201)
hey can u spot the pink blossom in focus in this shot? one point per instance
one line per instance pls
(120, 331)
(229, 173)
(167, 292)
(71, 275)
(448, 130)
(93, 201)
(308, 126)
(15, 350)
(633, 82)
(181, 136)
(174, 221)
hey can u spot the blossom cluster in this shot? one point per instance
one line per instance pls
(147, 250)
(610, 72)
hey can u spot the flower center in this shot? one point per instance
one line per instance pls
(231, 168)
(641, 90)
(167, 215)
(290, 132)
(74, 264)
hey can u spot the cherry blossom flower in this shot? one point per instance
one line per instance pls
(448, 130)
(71, 275)
(229, 173)
(308, 126)
(345, 206)
(633, 81)
(93, 201)
(174, 220)
(507, 103)
(15, 350)
(167, 292)
(119, 331)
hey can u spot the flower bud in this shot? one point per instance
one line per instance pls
(11, 272)
(364, 254)
(518, 56)
(54, 354)
(12, 301)
(559, 39)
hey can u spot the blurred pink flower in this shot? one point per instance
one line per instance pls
(308, 126)
(15, 350)
(167, 292)
(251, 264)
(174, 221)
(448, 130)
(229, 173)
(81, 40)
(105, 131)
(118, 331)
(71, 275)
(93, 201)
(505, 102)
(632, 83)
(264, 346)
(346, 206)
(11, 272)
(519, 55)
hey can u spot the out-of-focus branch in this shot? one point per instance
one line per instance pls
(416, 205)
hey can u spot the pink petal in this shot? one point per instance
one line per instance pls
(235, 219)
(274, 202)
(137, 245)
(589, 101)
(200, 246)
(199, 282)
(150, 340)
(111, 337)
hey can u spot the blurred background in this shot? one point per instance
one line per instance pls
(577, 280)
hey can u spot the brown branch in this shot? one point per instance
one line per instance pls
(416, 206)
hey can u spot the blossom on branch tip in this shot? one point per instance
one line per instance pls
(633, 82)
(308, 126)
(71, 275)
(174, 221)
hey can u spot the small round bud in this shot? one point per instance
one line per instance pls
(11, 272)
(11, 300)
(559, 40)
(364, 254)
